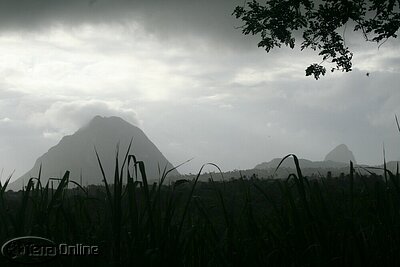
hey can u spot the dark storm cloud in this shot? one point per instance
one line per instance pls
(207, 18)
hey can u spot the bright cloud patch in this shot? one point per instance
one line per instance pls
(66, 117)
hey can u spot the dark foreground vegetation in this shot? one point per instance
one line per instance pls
(353, 220)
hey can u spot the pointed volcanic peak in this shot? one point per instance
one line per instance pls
(76, 153)
(341, 153)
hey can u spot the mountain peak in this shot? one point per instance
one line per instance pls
(341, 153)
(76, 154)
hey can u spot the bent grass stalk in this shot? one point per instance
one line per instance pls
(353, 220)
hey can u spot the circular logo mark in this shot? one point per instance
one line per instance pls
(29, 249)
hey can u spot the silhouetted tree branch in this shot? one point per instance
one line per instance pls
(318, 22)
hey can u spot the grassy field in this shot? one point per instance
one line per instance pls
(353, 220)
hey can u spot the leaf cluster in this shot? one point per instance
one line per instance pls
(319, 22)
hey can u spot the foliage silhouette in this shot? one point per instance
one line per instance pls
(322, 24)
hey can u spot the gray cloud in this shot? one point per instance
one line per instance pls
(62, 118)
(167, 19)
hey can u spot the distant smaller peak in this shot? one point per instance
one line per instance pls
(340, 153)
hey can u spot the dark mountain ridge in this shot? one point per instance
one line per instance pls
(76, 153)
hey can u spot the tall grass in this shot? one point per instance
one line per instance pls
(351, 221)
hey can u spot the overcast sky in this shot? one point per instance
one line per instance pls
(195, 85)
